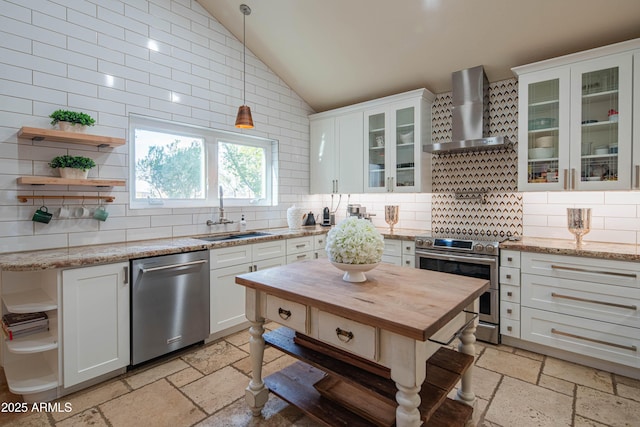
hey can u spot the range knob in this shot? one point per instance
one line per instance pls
(419, 242)
(490, 249)
(478, 247)
(428, 243)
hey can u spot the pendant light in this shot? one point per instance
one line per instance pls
(244, 119)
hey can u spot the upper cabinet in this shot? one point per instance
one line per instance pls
(375, 146)
(336, 144)
(393, 157)
(575, 121)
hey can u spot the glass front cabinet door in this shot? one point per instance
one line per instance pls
(394, 155)
(575, 126)
(543, 130)
(601, 124)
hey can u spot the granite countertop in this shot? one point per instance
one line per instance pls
(613, 251)
(117, 252)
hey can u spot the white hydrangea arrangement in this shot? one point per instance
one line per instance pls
(355, 241)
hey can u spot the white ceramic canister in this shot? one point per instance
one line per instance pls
(295, 217)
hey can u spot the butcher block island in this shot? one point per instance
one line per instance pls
(371, 353)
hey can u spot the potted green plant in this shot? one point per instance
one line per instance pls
(71, 120)
(73, 167)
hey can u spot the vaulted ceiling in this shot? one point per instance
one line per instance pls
(338, 52)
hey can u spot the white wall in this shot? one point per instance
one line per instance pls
(163, 58)
(615, 215)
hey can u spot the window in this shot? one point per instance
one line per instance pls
(177, 165)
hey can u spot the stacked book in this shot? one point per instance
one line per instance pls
(16, 325)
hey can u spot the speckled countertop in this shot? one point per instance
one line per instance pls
(613, 251)
(117, 252)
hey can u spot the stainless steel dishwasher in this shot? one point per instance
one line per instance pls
(169, 303)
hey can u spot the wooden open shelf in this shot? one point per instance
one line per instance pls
(301, 385)
(38, 134)
(51, 180)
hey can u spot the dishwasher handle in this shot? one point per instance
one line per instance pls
(167, 267)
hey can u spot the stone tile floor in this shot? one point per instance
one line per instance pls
(205, 387)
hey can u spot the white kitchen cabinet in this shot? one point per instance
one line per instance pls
(636, 121)
(95, 321)
(395, 132)
(319, 246)
(300, 249)
(390, 137)
(510, 293)
(399, 252)
(31, 363)
(336, 143)
(228, 298)
(582, 305)
(575, 121)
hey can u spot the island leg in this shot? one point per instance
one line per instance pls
(407, 413)
(465, 394)
(408, 371)
(256, 394)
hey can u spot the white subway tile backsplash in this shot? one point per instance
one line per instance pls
(571, 197)
(15, 43)
(65, 26)
(18, 12)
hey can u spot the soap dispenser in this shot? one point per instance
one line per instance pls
(243, 224)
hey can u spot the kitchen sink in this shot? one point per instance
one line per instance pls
(234, 236)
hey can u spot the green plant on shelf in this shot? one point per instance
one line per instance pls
(71, 117)
(75, 162)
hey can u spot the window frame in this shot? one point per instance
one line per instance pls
(211, 137)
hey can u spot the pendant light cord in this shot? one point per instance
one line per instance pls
(244, 58)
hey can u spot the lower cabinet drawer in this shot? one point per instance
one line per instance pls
(287, 313)
(299, 257)
(510, 293)
(602, 340)
(510, 327)
(509, 310)
(348, 335)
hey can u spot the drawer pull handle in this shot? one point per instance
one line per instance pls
(301, 256)
(302, 245)
(610, 304)
(344, 336)
(566, 334)
(284, 314)
(585, 270)
(509, 294)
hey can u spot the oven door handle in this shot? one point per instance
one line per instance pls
(451, 257)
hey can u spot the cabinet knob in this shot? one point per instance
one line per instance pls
(509, 328)
(509, 311)
(509, 259)
(509, 294)
(508, 276)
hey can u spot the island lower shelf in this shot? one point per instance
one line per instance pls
(333, 391)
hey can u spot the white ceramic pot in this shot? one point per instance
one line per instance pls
(73, 173)
(295, 217)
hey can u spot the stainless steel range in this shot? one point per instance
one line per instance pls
(471, 258)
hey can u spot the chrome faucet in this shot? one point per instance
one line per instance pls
(221, 217)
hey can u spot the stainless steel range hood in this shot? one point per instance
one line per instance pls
(469, 115)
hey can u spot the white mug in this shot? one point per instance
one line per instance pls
(64, 212)
(82, 212)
